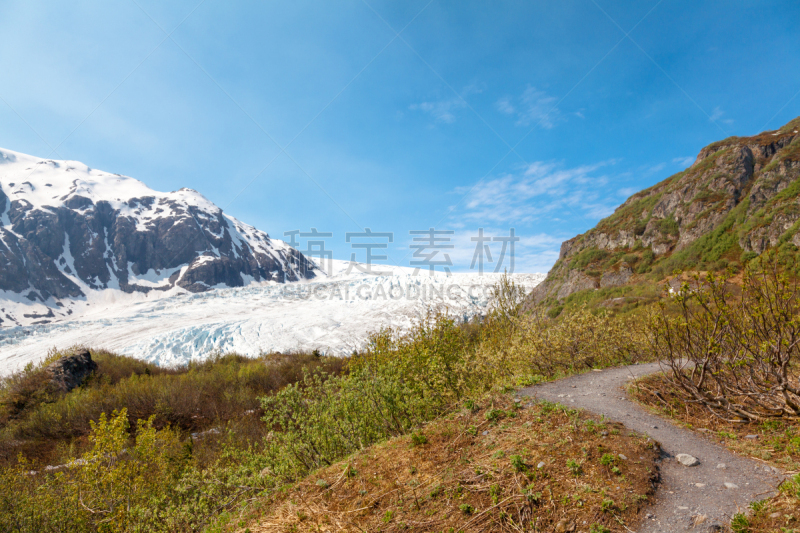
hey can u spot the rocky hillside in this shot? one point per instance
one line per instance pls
(67, 230)
(739, 198)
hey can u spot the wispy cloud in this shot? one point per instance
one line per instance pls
(532, 253)
(504, 105)
(538, 189)
(683, 161)
(536, 195)
(531, 107)
(649, 170)
(444, 110)
(717, 114)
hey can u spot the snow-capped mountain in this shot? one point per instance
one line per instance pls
(69, 232)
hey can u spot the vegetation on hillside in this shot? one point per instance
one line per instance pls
(148, 464)
(214, 444)
(738, 200)
(735, 350)
(45, 424)
(733, 358)
(499, 465)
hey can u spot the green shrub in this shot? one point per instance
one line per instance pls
(668, 226)
(739, 523)
(120, 485)
(493, 415)
(588, 256)
(191, 398)
(518, 464)
(418, 439)
(746, 257)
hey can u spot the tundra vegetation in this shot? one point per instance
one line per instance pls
(138, 447)
(285, 440)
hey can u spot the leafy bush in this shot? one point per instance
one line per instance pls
(118, 486)
(736, 355)
(418, 439)
(518, 464)
(398, 384)
(190, 398)
(587, 257)
(577, 340)
(668, 226)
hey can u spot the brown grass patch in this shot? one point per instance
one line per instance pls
(781, 513)
(478, 470)
(775, 443)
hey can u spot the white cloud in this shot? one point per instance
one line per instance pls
(649, 170)
(532, 253)
(504, 106)
(445, 110)
(532, 107)
(539, 189)
(441, 111)
(683, 161)
(539, 108)
(717, 114)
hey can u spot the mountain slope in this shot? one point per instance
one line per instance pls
(67, 230)
(738, 199)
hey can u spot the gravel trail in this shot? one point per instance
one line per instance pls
(698, 498)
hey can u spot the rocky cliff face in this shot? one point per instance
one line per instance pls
(67, 230)
(739, 198)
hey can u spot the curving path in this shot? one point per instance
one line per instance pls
(685, 494)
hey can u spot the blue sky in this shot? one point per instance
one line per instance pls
(397, 116)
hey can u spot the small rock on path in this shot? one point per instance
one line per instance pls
(687, 460)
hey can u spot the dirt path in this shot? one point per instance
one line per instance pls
(685, 492)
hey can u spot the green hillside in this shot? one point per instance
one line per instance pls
(738, 199)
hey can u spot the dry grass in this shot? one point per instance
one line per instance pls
(778, 514)
(478, 470)
(776, 443)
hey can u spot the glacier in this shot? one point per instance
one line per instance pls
(334, 314)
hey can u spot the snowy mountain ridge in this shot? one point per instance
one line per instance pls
(69, 234)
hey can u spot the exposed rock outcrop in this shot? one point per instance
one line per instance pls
(576, 281)
(70, 371)
(742, 192)
(616, 278)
